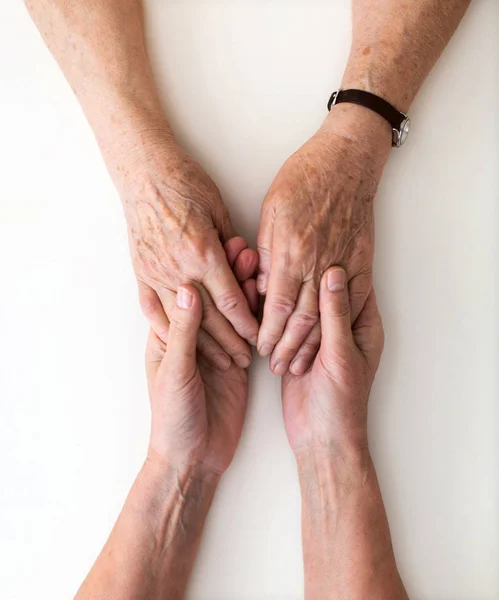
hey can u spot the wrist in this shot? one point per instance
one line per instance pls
(158, 533)
(134, 136)
(366, 135)
(168, 473)
(334, 468)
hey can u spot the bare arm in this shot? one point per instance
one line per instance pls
(319, 209)
(396, 43)
(152, 547)
(177, 222)
(347, 548)
(100, 47)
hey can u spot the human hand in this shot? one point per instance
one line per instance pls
(318, 213)
(326, 408)
(177, 224)
(197, 410)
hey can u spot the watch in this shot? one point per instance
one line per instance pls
(398, 120)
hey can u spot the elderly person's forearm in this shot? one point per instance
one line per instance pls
(100, 47)
(177, 221)
(395, 44)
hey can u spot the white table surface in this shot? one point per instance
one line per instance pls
(245, 83)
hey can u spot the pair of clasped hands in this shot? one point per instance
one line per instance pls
(199, 287)
(198, 407)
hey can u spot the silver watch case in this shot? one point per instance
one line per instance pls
(399, 136)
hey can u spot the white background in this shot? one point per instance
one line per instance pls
(245, 83)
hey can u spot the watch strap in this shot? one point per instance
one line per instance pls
(371, 101)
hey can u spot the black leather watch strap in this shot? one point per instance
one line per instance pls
(371, 101)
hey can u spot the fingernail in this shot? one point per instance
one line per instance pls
(184, 298)
(222, 361)
(298, 367)
(260, 284)
(265, 349)
(243, 361)
(336, 280)
(280, 368)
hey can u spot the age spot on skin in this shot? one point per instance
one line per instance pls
(366, 51)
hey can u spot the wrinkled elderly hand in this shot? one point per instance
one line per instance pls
(325, 410)
(317, 213)
(177, 224)
(197, 409)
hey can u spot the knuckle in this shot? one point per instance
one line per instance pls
(198, 247)
(228, 302)
(179, 325)
(282, 305)
(309, 349)
(305, 320)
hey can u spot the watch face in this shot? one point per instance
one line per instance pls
(404, 130)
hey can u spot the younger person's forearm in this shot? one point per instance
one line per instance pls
(346, 539)
(395, 44)
(99, 45)
(152, 547)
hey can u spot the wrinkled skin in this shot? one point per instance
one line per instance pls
(197, 409)
(317, 213)
(177, 224)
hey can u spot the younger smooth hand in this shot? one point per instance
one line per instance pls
(325, 409)
(197, 410)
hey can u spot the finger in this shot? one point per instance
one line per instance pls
(212, 351)
(307, 352)
(153, 310)
(233, 248)
(185, 321)
(335, 311)
(368, 332)
(298, 327)
(264, 248)
(206, 345)
(279, 304)
(219, 328)
(245, 264)
(251, 293)
(242, 260)
(359, 288)
(228, 297)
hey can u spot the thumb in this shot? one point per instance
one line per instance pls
(185, 319)
(335, 312)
